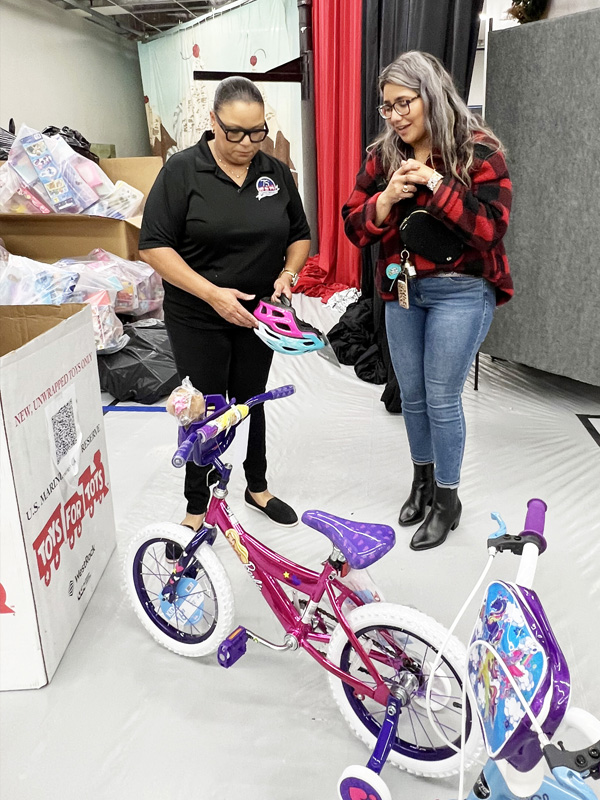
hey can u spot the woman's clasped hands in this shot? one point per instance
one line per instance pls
(405, 180)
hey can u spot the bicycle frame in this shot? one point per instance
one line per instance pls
(269, 571)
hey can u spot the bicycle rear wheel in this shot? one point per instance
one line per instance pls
(201, 615)
(400, 639)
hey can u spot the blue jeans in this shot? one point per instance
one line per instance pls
(432, 346)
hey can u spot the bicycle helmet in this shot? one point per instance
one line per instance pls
(281, 330)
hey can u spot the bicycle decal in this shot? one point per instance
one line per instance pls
(503, 625)
(233, 538)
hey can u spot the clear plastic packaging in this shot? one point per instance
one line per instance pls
(362, 584)
(140, 289)
(147, 289)
(186, 403)
(16, 197)
(43, 173)
(108, 328)
(100, 293)
(123, 202)
(27, 282)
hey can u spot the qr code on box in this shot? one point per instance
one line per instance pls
(64, 430)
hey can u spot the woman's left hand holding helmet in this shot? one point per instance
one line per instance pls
(283, 285)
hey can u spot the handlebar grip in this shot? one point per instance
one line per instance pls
(281, 391)
(183, 451)
(536, 516)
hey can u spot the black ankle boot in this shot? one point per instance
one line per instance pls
(421, 492)
(443, 517)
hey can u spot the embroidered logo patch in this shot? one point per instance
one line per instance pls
(266, 188)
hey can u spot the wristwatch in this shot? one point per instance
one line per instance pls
(294, 275)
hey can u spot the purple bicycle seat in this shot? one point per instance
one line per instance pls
(362, 543)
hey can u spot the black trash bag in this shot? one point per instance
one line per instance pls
(359, 339)
(144, 370)
(369, 367)
(74, 139)
(353, 334)
(391, 396)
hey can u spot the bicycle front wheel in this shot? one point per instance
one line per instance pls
(201, 614)
(400, 639)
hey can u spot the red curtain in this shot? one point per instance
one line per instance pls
(337, 59)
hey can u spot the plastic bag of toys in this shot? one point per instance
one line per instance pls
(140, 289)
(100, 293)
(186, 403)
(27, 282)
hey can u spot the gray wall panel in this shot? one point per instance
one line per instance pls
(543, 101)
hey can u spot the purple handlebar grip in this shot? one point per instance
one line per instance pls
(183, 451)
(536, 515)
(282, 391)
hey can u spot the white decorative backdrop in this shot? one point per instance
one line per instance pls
(252, 38)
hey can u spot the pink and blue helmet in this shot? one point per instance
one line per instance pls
(282, 331)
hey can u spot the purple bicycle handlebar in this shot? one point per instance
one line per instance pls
(183, 451)
(281, 391)
(272, 394)
(207, 432)
(536, 516)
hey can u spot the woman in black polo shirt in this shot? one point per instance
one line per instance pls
(224, 226)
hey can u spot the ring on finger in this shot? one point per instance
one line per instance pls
(405, 188)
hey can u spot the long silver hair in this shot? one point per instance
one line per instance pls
(450, 124)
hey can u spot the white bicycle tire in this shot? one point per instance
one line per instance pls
(216, 574)
(428, 630)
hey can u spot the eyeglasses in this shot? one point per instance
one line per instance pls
(237, 134)
(401, 107)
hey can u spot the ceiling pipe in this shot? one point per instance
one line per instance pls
(100, 19)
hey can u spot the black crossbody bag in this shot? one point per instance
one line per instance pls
(429, 237)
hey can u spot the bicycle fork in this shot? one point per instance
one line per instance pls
(400, 695)
(358, 781)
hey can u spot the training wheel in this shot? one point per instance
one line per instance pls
(361, 783)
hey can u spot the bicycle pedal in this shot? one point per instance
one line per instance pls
(233, 647)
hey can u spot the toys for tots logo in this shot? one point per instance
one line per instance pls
(65, 522)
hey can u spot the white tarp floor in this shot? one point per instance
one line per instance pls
(124, 717)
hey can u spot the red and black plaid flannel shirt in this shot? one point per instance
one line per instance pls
(477, 215)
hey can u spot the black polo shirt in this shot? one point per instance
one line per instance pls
(235, 237)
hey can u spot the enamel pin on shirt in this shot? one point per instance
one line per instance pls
(266, 187)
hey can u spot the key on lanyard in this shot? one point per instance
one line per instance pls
(407, 267)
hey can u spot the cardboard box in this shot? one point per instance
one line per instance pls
(49, 237)
(58, 529)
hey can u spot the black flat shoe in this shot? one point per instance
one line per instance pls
(276, 510)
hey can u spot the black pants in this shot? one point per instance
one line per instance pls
(235, 363)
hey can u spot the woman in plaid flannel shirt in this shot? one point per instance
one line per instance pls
(435, 154)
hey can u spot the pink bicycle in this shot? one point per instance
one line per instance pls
(379, 656)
